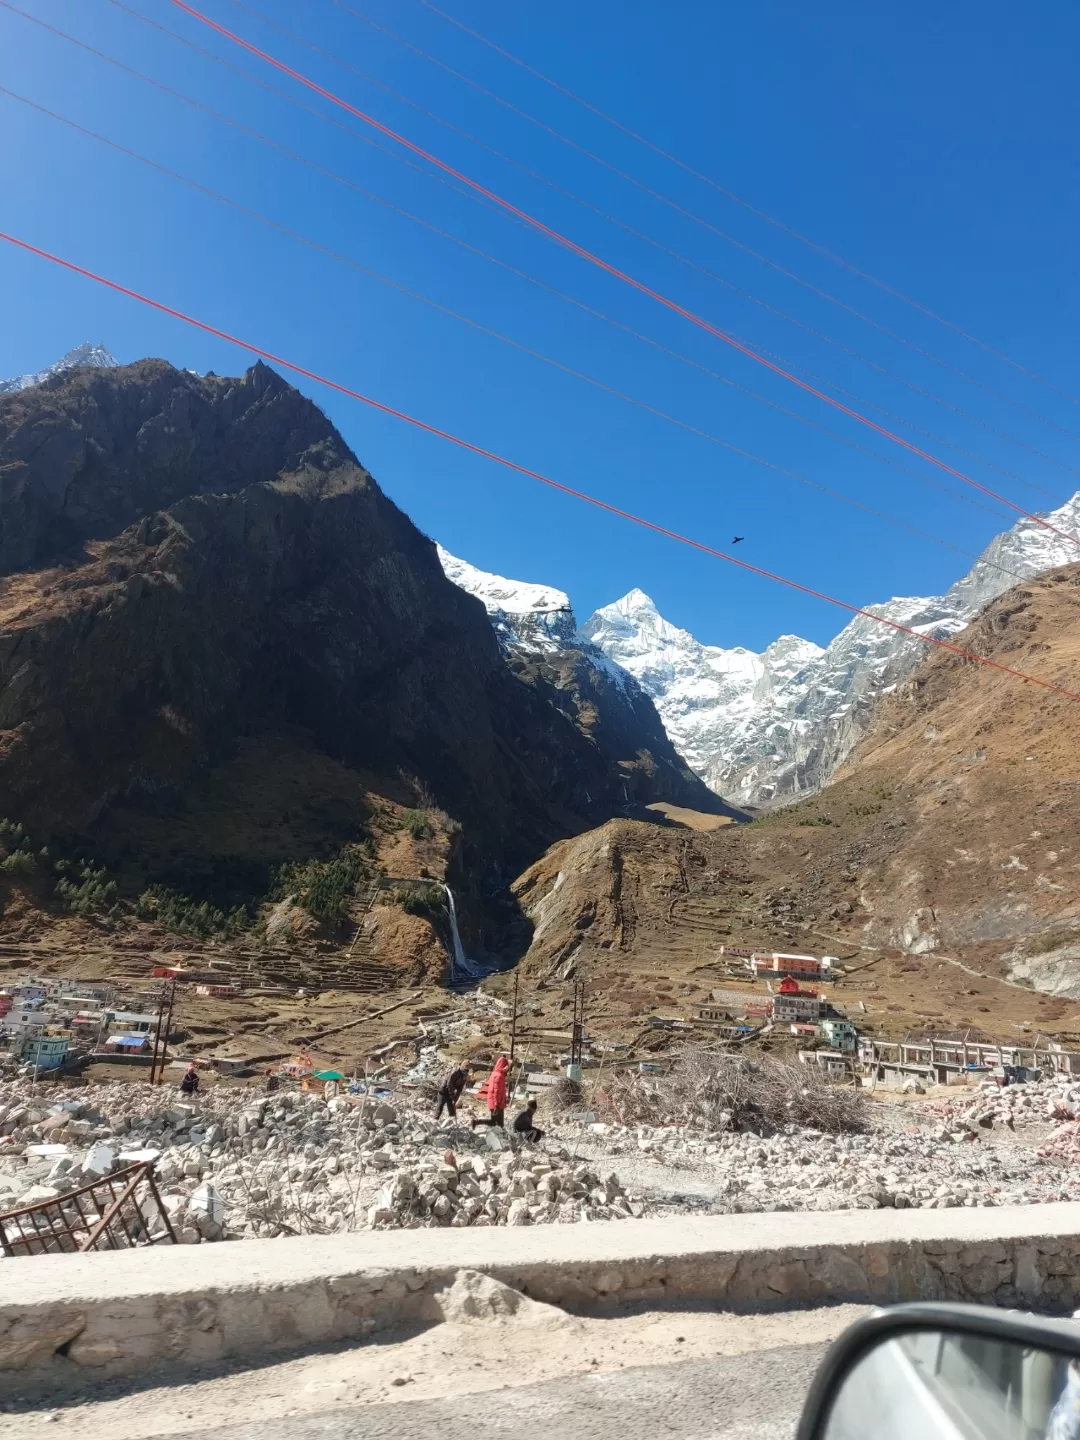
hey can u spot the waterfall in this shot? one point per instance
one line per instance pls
(461, 967)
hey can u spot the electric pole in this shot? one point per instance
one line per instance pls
(513, 1019)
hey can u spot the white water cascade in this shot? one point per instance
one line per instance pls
(461, 968)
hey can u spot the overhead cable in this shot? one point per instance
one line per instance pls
(697, 219)
(474, 249)
(637, 234)
(497, 335)
(525, 470)
(754, 209)
(607, 267)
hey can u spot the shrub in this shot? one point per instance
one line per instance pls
(428, 901)
(184, 915)
(416, 822)
(92, 893)
(325, 887)
(719, 1090)
(19, 863)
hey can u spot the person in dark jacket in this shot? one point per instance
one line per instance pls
(450, 1092)
(189, 1085)
(525, 1124)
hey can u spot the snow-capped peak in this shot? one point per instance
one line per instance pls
(85, 355)
(512, 597)
(761, 728)
(526, 616)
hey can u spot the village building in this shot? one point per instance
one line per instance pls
(45, 1051)
(129, 1022)
(838, 1033)
(793, 1005)
(798, 967)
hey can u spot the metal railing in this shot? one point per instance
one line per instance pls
(121, 1211)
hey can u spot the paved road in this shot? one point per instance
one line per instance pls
(742, 1397)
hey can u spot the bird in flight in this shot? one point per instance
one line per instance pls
(735, 539)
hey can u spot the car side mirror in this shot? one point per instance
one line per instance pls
(948, 1372)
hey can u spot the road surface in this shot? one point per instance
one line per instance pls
(755, 1396)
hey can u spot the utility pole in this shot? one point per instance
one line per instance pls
(157, 1033)
(513, 1019)
(577, 1034)
(161, 1035)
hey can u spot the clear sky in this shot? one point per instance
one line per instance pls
(932, 145)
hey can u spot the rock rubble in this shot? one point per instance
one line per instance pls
(235, 1164)
(914, 1158)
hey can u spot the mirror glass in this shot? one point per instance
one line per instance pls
(929, 1385)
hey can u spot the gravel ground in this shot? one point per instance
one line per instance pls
(235, 1163)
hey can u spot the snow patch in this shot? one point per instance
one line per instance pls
(86, 355)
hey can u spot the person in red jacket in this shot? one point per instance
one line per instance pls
(496, 1094)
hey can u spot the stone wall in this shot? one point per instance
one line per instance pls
(123, 1313)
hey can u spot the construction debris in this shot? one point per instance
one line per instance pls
(717, 1090)
(236, 1163)
(719, 1138)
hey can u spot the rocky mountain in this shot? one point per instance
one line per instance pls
(766, 728)
(222, 647)
(541, 642)
(942, 864)
(86, 354)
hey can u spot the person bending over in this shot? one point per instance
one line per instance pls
(525, 1124)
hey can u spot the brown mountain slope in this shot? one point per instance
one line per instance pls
(953, 834)
(205, 598)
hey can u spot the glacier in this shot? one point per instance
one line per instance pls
(767, 729)
(86, 354)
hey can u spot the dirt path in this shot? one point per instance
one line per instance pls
(458, 1358)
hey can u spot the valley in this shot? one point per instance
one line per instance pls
(252, 733)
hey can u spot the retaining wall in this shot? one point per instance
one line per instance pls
(103, 1314)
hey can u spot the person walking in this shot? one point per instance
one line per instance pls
(450, 1091)
(496, 1095)
(189, 1085)
(525, 1124)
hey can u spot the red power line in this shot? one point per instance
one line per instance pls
(642, 235)
(209, 329)
(676, 207)
(753, 209)
(539, 355)
(719, 279)
(605, 265)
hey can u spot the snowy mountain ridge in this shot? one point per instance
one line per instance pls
(529, 617)
(768, 728)
(87, 354)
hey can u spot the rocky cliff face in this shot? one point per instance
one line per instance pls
(186, 563)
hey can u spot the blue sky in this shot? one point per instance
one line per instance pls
(934, 146)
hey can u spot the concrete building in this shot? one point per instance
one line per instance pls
(791, 1004)
(800, 967)
(87, 992)
(839, 1034)
(29, 992)
(27, 1019)
(127, 1022)
(834, 1063)
(47, 1052)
